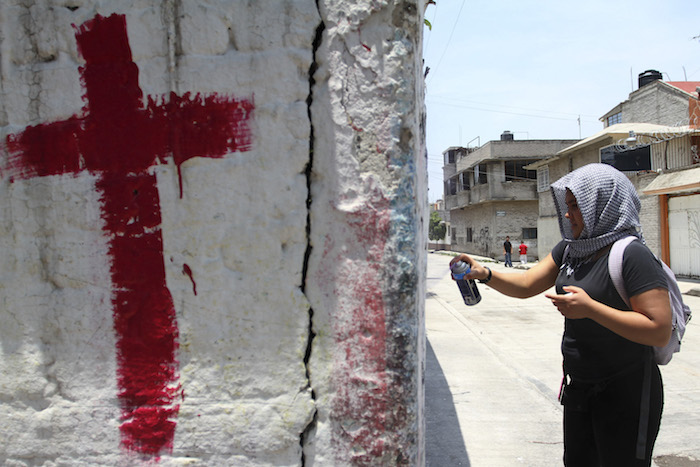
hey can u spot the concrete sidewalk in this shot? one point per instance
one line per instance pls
(493, 373)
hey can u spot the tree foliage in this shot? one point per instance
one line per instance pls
(436, 228)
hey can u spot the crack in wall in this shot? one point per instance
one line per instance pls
(28, 24)
(309, 430)
(172, 14)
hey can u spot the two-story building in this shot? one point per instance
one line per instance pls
(490, 194)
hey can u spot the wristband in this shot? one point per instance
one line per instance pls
(488, 278)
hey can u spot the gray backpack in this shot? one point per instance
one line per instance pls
(679, 310)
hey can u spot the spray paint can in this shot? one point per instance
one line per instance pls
(467, 287)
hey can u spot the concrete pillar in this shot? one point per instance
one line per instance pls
(212, 237)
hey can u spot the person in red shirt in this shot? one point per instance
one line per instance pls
(523, 252)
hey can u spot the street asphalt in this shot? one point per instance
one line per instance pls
(493, 372)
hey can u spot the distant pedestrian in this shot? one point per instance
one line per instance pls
(523, 253)
(507, 250)
(612, 391)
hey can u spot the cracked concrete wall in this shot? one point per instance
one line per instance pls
(212, 232)
(367, 265)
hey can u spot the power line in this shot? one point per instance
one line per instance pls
(452, 100)
(454, 26)
(461, 106)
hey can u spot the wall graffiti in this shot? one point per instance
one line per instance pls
(120, 136)
(484, 241)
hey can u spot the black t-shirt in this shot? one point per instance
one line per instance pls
(592, 352)
(507, 246)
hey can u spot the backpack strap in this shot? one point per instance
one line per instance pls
(615, 265)
(644, 407)
(615, 269)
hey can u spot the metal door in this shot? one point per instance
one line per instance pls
(684, 235)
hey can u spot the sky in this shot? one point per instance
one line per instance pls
(544, 69)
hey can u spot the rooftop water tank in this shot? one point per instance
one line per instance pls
(506, 136)
(649, 76)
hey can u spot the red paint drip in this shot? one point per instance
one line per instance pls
(187, 271)
(120, 137)
(362, 399)
(191, 126)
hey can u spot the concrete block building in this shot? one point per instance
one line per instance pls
(655, 101)
(491, 194)
(653, 137)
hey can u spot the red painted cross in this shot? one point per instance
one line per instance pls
(121, 137)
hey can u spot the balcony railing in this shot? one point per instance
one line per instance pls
(505, 191)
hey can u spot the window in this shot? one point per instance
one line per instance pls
(451, 187)
(543, 178)
(613, 119)
(627, 160)
(515, 171)
(453, 155)
(480, 174)
(469, 234)
(529, 233)
(464, 181)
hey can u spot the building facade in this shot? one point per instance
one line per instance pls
(490, 194)
(655, 101)
(653, 137)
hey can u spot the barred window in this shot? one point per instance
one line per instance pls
(529, 233)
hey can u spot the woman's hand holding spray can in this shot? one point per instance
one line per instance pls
(467, 287)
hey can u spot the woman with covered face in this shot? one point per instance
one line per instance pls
(612, 391)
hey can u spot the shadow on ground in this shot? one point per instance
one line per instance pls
(444, 444)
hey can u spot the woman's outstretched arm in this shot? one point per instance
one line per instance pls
(518, 284)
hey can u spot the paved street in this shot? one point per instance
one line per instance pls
(493, 373)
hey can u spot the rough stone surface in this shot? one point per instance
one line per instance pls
(216, 258)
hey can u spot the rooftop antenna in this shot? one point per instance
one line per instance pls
(631, 80)
(579, 127)
(684, 75)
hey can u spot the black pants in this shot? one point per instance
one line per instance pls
(601, 421)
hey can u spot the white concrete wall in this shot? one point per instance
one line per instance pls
(251, 292)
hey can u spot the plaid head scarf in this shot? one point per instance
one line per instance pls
(609, 205)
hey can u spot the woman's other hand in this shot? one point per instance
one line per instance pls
(575, 303)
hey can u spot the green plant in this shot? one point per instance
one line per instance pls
(436, 228)
(427, 23)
